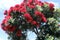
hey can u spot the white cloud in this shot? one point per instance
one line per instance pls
(1, 39)
(31, 35)
(7, 3)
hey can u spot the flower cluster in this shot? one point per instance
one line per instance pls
(23, 15)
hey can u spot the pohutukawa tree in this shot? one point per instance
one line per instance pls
(39, 17)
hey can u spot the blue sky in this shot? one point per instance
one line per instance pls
(5, 5)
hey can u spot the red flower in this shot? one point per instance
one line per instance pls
(5, 28)
(17, 5)
(30, 1)
(36, 0)
(5, 12)
(30, 6)
(28, 17)
(22, 4)
(37, 13)
(4, 21)
(51, 6)
(44, 19)
(34, 23)
(9, 12)
(16, 9)
(21, 7)
(38, 25)
(18, 33)
(7, 17)
(40, 3)
(24, 0)
(23, 10)
(11, 8)
(11, 29)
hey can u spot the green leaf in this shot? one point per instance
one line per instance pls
(49, 38)
(39, 8)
